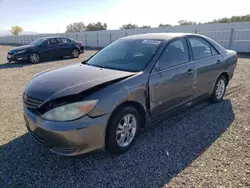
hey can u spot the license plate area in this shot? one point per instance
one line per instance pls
(9, 56)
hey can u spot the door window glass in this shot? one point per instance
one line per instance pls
(214, 52)
(176, 53)
(201, 48)
(63, 41)
(52, 42)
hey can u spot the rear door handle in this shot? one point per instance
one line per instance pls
(190, 71)
(218, 62)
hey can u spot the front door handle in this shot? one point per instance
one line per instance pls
(190, 71)
(218, 62)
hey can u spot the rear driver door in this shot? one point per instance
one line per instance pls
(171, 82)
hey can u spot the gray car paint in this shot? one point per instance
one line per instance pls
(151, 90)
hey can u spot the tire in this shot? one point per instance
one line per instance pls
(34, 57)
(114, 138)
(219, 89)
(75, 53)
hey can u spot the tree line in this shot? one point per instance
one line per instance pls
(80, 26)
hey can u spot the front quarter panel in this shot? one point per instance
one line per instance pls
(131, 89)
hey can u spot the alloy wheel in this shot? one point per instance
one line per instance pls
(126, 130)
(220, 89)
(34, 58)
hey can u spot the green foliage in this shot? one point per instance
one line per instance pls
(185, 22)
(96, 26)
(129, 26)
(16, 30)
(232, 19)
(164, 25)
(76, 27)
(145, 26)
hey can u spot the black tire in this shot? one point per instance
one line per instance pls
(34, 60)
(75, 53)
(111, 137)
(215, 98)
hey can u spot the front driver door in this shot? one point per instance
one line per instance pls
(51, 49)
(171, 83)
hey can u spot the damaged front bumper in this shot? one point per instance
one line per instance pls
(68, 138)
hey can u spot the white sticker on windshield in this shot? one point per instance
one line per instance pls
(156, 42)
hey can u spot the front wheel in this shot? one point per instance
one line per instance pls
(123, 129)
(34, 58)
(219, 89)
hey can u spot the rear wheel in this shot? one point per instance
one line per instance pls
(75, 53)
(123, 129)
(34, 58)
(219, 89)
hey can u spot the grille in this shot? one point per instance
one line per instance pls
(31, 102)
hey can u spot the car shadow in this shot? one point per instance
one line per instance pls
(20, 64)
(160, 153)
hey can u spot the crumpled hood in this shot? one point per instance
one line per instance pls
(70, 80)
(21, 48)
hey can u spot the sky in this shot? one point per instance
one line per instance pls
(52, 16)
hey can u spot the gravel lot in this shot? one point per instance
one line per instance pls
(204, 146)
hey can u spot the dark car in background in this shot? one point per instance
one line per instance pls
(104, 101)
(47, 47)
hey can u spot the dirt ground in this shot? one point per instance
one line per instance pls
(207, 145)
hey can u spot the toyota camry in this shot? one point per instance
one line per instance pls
(104, 101)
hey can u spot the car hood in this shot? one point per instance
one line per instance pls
(21, 48)
(70, 80)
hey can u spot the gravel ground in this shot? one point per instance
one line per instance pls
(207, 145)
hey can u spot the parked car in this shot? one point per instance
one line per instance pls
(47, 47)
(104, 101)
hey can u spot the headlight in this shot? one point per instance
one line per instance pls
(20, 51)
(70, 111)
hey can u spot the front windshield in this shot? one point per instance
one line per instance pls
(128, 55)
(37, 42)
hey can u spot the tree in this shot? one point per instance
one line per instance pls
(145, 26)
(16, 30)
(96, 26)
(129, 26)
(232, 19)
(76, 27)
(185, 22)
(164, 25)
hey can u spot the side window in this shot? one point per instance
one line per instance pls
(51, 42)
(176, 53)
(201, 48)
(63, 41)
(214, 52)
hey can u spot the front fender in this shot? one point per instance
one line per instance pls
(132, 89)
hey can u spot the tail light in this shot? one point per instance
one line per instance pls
(81, 43)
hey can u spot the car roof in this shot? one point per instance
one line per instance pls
(158, 36)
(52, 37)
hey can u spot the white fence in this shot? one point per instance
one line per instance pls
(234, 36)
